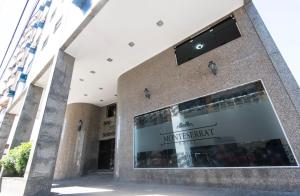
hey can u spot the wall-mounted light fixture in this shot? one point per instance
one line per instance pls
(160, 23)
(147, 93)
(79, 125)
(213, 67)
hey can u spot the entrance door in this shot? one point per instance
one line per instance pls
(106, 154)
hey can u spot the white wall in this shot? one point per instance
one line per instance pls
(282, 19)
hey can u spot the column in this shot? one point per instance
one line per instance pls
(5, 130)
(27, 116)
(41, 164)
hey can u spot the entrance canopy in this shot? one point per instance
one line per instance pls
(126, 33)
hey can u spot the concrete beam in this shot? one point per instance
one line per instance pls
(41, 164)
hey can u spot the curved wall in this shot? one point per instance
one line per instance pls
(241, 61)
(78, 150)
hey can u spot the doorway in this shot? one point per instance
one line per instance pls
(106, 154)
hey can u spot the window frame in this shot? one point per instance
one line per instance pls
(217, 168)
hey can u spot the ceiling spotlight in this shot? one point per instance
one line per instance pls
(101, 100)
(81, 79)
(92, 72)
(109, 59)
(159, 23)
(100, 88)
(131, 44)
(116, 95)
(213, 67)
(147, 93)
(85, 95)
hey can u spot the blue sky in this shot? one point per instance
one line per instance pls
(282, 18)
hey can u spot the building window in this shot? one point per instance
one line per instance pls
(84, 5)
(57, 24)
(233, 128)
(111, 110)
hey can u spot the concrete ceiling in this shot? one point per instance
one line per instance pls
(120, 22)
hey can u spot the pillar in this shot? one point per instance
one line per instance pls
(5, 130)
(27, 116)
(40, 168)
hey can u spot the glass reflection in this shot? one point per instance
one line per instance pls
(233, 128)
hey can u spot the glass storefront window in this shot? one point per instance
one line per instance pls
(233, 128)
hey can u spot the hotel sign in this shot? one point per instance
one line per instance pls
(189, 135)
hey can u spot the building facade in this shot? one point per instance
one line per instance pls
(196, 98)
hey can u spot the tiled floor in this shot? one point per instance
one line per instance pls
(103, 185)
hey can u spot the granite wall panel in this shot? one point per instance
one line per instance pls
(241, 61)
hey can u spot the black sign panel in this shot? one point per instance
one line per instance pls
(216, 36)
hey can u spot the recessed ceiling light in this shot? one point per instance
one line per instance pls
(159, 23)
(109, 59)
(92, 72)
(81, 79)
(101, 100)
(100, 88)
(131, 44)
(85, 95)
(116, 95)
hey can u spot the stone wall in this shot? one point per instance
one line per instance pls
(241, 61)
(5, 128)
(78, 150)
